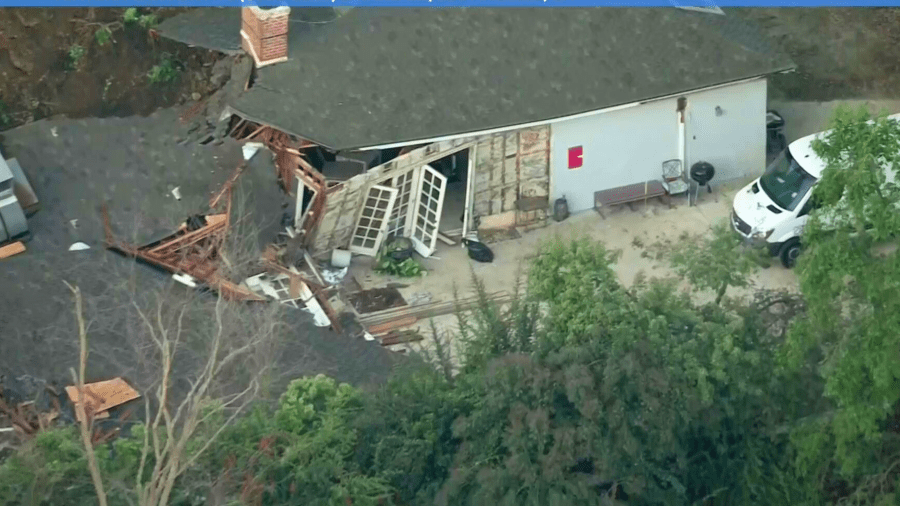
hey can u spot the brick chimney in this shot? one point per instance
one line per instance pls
(264, 34)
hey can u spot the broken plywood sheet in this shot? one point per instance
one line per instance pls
(11, 249)
(102, 396)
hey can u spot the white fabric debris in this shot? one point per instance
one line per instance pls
(333, 277)
(185, 280)
(250, 149)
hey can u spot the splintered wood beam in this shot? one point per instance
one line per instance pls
(188, 239)
(256, 132)
(229, 184)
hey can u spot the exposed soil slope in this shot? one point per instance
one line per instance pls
(53, 62)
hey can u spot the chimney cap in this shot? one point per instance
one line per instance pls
(270, 13)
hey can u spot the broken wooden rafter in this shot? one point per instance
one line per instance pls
(227, 187)
(270, 261)
(290, 162)
(312, 267)
(322, 297)
(26, 420)
(237, 126)
(191, 252)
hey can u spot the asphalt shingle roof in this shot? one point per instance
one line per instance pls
(384, 76)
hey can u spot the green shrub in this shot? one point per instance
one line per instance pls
(408, 268)
(148, 21)
(76, 53)
(164, 72)
(102, 36)
(131, 15)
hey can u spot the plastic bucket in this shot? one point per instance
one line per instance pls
(340, 258)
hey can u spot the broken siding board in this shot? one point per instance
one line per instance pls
(328, 221)
(481, 205)
(335, 211)
(533, 139)
(509, 191)
(511, 144)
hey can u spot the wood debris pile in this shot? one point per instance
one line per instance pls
(194, 248)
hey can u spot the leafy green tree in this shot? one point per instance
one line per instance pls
(303, 452)
(717, 262)
(52, 468)
(492, 331)
(405, 432)
(634, 395)
(852, 292)
(580, 392)
(573, 280)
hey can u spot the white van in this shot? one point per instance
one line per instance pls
(775, 207)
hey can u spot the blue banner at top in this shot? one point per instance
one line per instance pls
(695, 4)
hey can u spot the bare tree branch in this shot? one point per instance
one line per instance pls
(84, 422)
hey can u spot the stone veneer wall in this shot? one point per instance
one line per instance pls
(507, 167)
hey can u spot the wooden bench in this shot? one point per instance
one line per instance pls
(629, 195)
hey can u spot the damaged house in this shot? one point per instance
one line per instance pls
(407, 122)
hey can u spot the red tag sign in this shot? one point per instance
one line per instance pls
(576, 157)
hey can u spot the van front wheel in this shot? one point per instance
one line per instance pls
(789, 253)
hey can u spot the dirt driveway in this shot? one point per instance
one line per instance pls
(641, 236)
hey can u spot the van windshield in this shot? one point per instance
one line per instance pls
(785, 182)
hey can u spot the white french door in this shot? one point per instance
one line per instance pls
(426, 215)
(373, 220)
(406, 184)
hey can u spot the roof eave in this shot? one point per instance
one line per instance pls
(486, 131)
(536, 123)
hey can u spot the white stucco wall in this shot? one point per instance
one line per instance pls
(735, 142)
(629, 145)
